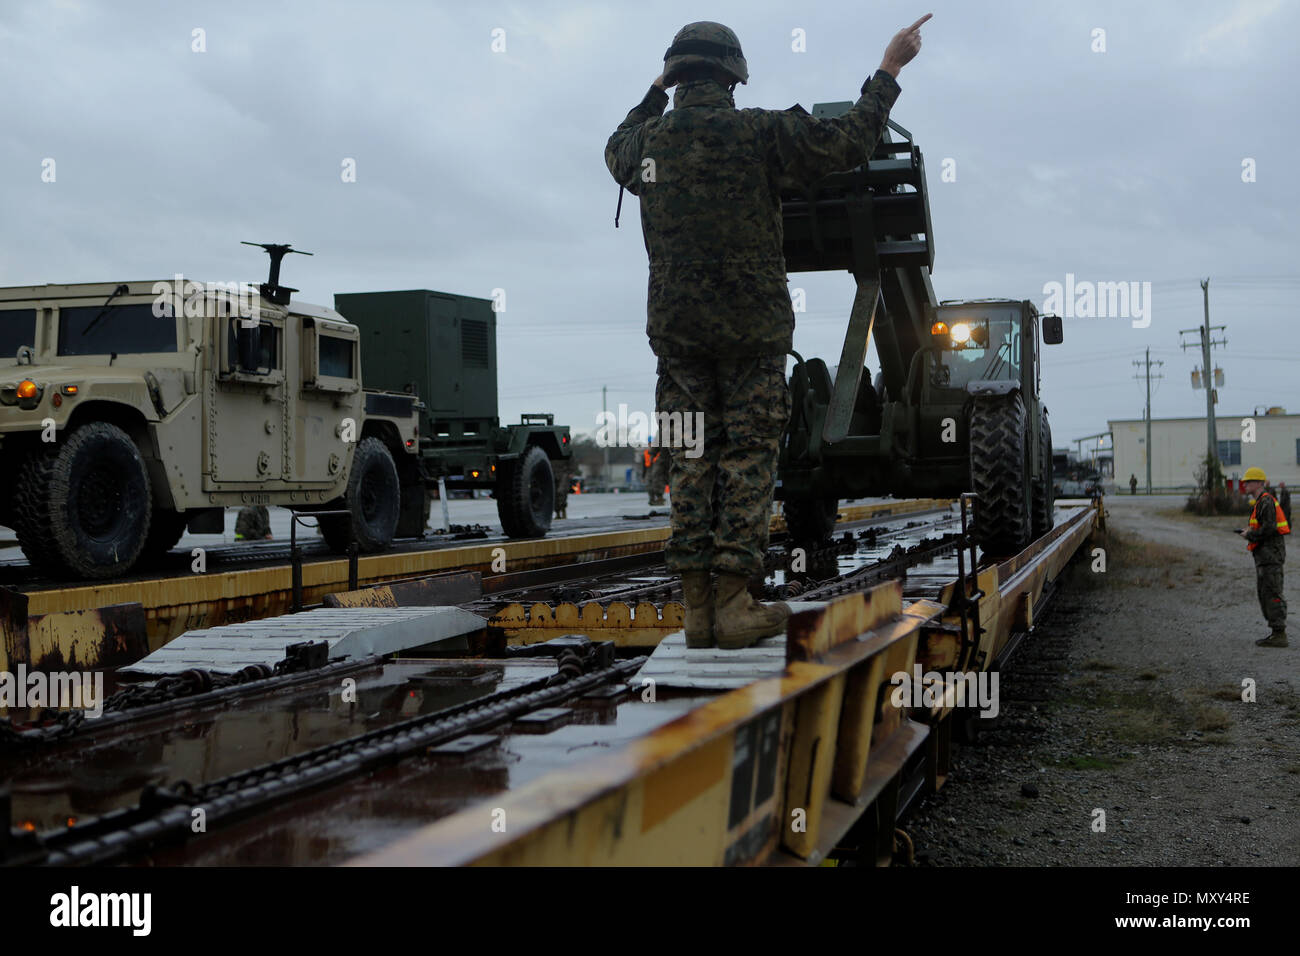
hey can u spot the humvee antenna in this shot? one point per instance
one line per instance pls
(272, 289)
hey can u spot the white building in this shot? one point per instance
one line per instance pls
(1178, 449)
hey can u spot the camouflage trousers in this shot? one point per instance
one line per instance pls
(722, 486)
(1268, 585)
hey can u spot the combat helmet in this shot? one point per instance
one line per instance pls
(709, 43)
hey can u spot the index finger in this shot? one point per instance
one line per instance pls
(918, 23)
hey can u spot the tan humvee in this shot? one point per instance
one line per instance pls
(129, 411)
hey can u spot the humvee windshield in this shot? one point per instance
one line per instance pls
(1000, 359)
(17, 328)
(124, 329)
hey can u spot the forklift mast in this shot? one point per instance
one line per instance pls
(872, 221)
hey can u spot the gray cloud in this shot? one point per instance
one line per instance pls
(479, 170)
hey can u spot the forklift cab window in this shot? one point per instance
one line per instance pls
(999, 359)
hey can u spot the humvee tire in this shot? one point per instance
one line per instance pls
(810, 520)
(84, 506)
(373, 498)
(998, 474)
(165, 530)
(1044, 501)
(525, 495)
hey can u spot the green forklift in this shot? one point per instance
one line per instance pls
(955, 407)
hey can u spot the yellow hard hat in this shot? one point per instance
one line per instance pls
(1254, 474)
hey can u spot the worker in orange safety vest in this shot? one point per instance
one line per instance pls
(1266, 541)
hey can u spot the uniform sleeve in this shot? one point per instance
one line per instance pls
(806, 148)
(624, 151)
(1266, 515)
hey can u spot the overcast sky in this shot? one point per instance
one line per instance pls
(478, 170)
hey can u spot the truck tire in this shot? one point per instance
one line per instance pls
(85, 504)
(810, 520)
(373, 498)
(1044, 488)
(525, 495)
(998, 475)
(165, 530)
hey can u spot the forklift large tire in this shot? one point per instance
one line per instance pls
(1044, 503)
(373, 500)
(525, 495)
(83, 507)
(810, 520)
(999, 475)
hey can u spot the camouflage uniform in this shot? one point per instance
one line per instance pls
(253, 523)
(656, 475)
(1270, 557)
(709, 178)
(563, 471)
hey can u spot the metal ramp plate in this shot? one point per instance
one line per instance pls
(351, 632)
(673, 664)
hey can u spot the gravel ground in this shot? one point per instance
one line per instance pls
(1128, 699)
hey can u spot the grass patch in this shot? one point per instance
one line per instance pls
(1148, 675)
(1098, 665)
(1230, 694)
(1134, 562)
(1135, 715)
(1210, 718)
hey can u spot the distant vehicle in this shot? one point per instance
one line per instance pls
(133, 411)
(1072, 478)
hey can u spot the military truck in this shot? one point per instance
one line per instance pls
(955, 407)
(443, 348)
(130, 412)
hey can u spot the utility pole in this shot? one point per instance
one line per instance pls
(1148, 364)
(604, 409)
(1206, 332)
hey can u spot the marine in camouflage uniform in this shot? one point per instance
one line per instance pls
(656, 475)
(253, 524)
(720, 320)
(563, 471)
(1269, 550)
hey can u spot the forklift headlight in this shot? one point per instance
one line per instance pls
(961, 333)
(939, 329)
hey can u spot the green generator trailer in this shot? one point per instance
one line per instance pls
(443, 348)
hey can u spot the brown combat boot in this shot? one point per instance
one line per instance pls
(697, 592)
(1276, 639)
(740, 621)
